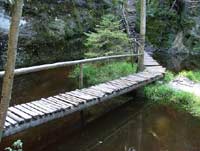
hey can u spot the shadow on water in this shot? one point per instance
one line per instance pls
(178, 62)
(46, 83)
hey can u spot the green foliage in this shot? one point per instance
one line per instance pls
(107, 38)
(16, 146)
(168, 76)
(94, 74)
(161, 93)
(192, 75)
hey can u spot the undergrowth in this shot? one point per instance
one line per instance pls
(192, 75)
(98, 73)
(162, 94)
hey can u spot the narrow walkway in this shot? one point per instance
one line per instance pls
(24, 116)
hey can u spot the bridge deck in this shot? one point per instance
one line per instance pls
(24, 116)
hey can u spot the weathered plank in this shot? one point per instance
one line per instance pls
(73, 98)
(20, 113)
(15, 117)
(60, 97)
(27, 111)
(32, 109)
(10, 120)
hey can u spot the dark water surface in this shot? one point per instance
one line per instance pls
(135, 127)
(46, 83)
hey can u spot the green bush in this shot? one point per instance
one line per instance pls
(94, 74)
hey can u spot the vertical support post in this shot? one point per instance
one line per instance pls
(81, 86)
(81, 76)
(82, 118)
(142, 34)
(10, 64)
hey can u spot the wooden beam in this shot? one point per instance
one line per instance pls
(32, 69)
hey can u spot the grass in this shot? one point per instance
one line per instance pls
(192, 75)
(94, 74)
(160, 93)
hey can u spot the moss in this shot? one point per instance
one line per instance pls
(94, 74)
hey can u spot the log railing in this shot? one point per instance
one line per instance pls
(32, 69)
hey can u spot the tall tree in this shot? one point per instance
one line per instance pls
(17, 7)
(142, 34)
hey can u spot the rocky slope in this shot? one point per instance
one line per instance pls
(173, 25)
(52, 30)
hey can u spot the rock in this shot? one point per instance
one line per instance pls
(51, 31)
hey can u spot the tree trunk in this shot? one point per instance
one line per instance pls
(142, 34)
(10, 65)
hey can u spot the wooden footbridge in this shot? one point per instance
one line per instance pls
(24, 116)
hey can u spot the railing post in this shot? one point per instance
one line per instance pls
(81, 76)
(142, 33)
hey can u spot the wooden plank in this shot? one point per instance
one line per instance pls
(15, 117)
(120, 81)
(7, 124)
(97, 91)
(82, 95)
(20, 113)
(71, 103)
(139, 79)
(105, 90)
(129, 80)
(116, 85)
(38, 108)
(109, 87)
(32, 109)
(148, 75)
(75, 99)
(64, 104)
(10, 120)
(58, 105)
(27, 111)
(48, 106)
(93, 92)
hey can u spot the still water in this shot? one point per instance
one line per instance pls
(135, 127)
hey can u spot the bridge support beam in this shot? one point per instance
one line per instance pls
(142, 34)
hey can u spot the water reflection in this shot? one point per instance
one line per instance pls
(153, 129)
(34, 86)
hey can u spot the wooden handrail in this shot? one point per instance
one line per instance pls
(32, 69)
